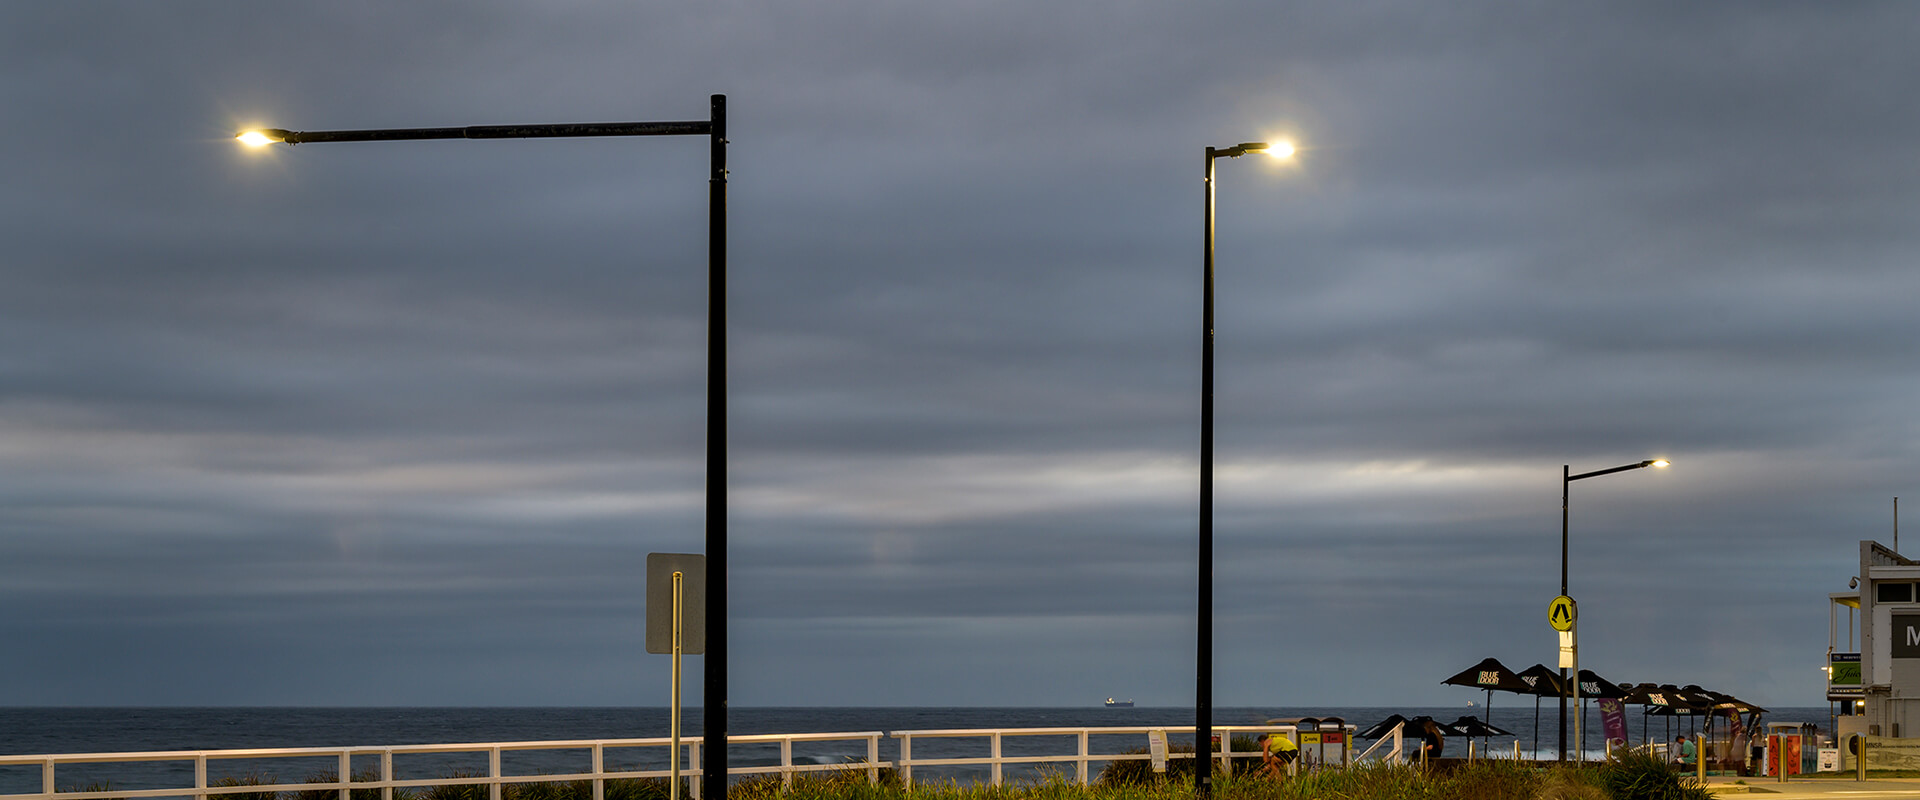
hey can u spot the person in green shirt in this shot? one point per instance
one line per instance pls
(1683, 751)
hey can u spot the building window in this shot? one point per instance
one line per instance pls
(1893, 592)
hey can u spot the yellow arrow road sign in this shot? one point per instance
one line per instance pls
(1560, 613)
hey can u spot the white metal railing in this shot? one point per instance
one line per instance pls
(344, 782)
(1397, 736)
(997, 759)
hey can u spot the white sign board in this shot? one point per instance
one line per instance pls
(693, 602)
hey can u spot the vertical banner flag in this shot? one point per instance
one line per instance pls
(1613, 720)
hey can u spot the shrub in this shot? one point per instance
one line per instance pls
(1570, 783)
(1140, 772)
(1640, 776)
(1489, 779)
(359, 776)
(250, 779)
(641, 789)
(840, 784)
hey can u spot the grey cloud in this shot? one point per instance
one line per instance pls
(436, 402)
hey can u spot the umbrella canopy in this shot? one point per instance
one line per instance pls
(1598, 688)
(1382, 728)
(1663, 696)
(1424, 722)
(1695, 696)
(1491, 675)
(1728, 701)
(1544, 681)
(1472, 726)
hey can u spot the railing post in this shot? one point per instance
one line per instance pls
(906, 760)
(200, 775)
(1080, 769)
(786, 765)
(493, 774)
(695, 766)
(996, 758)
(873, 759)
(386, 774)
(600, 771)
(46, 778)
(346, 775)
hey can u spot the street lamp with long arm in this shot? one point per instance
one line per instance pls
(1203, 658)
(1566, 479)
(714, 690)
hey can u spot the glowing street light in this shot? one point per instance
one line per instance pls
(715, 128)
(1566, 479)
(262, 138)
(1203, 659)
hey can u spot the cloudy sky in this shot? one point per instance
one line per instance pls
(397, 423)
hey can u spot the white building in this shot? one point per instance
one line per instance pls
(1876, 676)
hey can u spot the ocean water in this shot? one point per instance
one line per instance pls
(43, 731)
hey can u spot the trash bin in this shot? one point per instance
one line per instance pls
(1783, 750)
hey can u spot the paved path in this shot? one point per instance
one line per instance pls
(1810, 788)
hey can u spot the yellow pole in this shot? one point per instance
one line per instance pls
(673, 786)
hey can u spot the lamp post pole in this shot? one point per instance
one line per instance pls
(714, 745)
(1566, 480)
(1203, 655)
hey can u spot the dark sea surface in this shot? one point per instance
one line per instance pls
(42, 731)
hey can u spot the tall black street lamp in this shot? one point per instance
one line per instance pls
(1203, 658)
(714, 767)
(1566, 479)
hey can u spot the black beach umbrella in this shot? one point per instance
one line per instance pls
(1545, 683)
(1428, 729)
(1664, 695)
(1490, 675)
(1472, 726)
(1734, 708)
(1674, 713)
(1383, 728)
(1673, 702)
(1736, 704)
(1642, 694)
(1712, 699)
(1595, 687)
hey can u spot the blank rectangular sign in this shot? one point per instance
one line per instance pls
(693, 602)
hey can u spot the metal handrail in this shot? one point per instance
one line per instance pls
(386, 783)
(496, 777)
(1392, 756)
(996, 759)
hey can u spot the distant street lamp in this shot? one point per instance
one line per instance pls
(1567, 479)
(1203, 661)
(714, 769)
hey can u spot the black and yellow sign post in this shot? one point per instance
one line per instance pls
(1564, 615)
